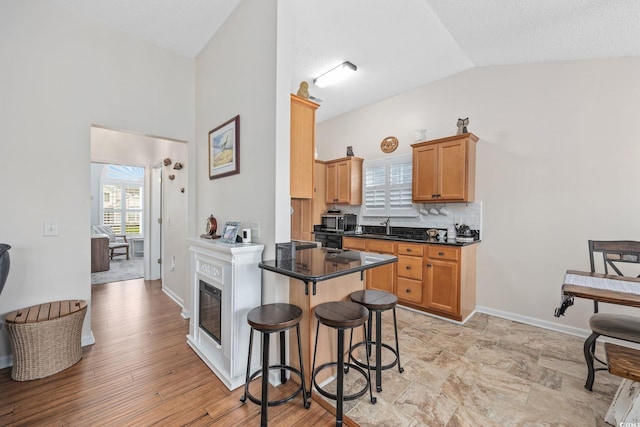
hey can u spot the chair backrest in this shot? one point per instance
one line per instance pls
(104, 229)
(615, 253)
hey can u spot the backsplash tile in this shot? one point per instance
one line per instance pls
(459, 213)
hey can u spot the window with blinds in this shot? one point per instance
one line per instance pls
(387, 187)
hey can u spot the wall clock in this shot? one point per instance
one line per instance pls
(389, 144)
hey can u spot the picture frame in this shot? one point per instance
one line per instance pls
(224, 149)
(230, 231)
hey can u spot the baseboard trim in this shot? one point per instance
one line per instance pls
(552, 326)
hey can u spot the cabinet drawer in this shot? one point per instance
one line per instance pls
(354, 243)
(410, 249)
(442, 252)
(380, 246)
(410, 290)
(410, 267)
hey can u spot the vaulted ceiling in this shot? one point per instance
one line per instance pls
(396, 45)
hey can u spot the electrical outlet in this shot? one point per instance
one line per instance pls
(255, 229)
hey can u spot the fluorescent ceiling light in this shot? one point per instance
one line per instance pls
(335, 75)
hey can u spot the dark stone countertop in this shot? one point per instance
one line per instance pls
(413, 239)
(319, 264)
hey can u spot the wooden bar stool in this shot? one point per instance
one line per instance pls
(340, 315)
(377, 302)
(268, 319)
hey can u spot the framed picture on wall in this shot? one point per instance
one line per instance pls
(230, 231)
(224, 149)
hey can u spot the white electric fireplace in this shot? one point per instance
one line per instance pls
(225, 284)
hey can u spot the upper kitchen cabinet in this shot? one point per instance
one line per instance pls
(344, 181)
(303, 142)
(444, 170)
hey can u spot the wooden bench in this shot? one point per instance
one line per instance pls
(45, 338)
(624, 362)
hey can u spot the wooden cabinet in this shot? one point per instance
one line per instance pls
(438, 279)
(302, 147)
(99, 253)
(306, 212)
(381, 278)
(442, 284)
(344, 181)
(409, 281)
(444, 169)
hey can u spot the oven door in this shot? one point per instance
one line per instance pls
(211, 310)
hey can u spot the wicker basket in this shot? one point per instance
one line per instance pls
(45, 347)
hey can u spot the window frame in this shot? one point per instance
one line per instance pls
(387, 188)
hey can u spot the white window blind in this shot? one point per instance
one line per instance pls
(387, 187)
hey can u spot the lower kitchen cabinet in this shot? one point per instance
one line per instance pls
(381, 278)
(438, 279)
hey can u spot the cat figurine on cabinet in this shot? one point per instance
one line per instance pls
(462, 126)
(349, 151)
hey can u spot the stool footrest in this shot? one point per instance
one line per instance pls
(333, 396)
(280, 401)
(373, 344)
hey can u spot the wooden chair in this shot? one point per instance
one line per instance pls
(619, 326)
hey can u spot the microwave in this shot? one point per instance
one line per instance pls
(339, 222)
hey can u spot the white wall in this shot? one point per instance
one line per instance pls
(236, 75)
(62, 74)
(556, 166)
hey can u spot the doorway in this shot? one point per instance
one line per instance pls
(109, 146)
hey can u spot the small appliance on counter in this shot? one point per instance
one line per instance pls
(464, 234)
(337, 222)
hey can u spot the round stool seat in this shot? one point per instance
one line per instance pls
(375, 300)
(341, 314)
(274, 317)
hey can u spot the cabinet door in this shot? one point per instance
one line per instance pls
(425, 173)
(442, 286)
(452, 176)
(302, 147)
(331, 183)
(301, 220)
(381, 278)
(343, 182)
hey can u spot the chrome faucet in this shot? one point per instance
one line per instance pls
(388, 224)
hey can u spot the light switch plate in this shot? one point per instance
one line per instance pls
(50, 228)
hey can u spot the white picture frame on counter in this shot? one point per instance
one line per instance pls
(230, 231)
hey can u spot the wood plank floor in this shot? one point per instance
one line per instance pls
(140, 372)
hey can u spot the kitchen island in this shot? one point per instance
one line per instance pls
(321, 275)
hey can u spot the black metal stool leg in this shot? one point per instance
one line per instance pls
(366, 339)
(313, 365)
(378, 350)
(265, 379)
(370, 330)
(340, 379)
(246, 382)
(395, 328)
(346, 370)
(283, 373)
(306, 402)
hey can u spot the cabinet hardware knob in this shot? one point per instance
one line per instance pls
(428, 265)
(408, 250)
(441, 253)
(408, 291)
(408, 267)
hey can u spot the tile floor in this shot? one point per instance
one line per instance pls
(489, 372)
